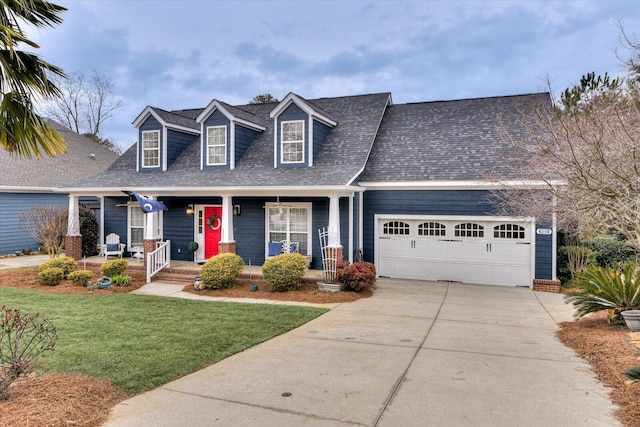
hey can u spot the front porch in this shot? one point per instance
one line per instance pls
(185, 271)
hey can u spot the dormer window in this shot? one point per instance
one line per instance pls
(151, 149)
(217, 145)
(292, 142)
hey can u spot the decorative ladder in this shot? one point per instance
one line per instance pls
(158, 259)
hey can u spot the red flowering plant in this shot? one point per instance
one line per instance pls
(356, 277)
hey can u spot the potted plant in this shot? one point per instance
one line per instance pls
(193, 247)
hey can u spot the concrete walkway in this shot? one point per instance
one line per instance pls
(415, 354)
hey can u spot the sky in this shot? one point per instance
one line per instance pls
(182, 54)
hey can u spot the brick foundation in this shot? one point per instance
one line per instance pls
(335, 251)
(149, 246)
(541, 285)
(227, 247)
(73, 247)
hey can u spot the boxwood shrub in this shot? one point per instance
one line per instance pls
(222, 271)
(81, 277)
(114, 267)
(66, 264)
(51, 276)
(284, 272)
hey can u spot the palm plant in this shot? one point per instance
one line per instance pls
(23, 79)
(607, 288)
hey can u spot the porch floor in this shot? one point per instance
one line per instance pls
(190, 267)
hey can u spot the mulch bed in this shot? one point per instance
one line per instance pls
(607, 349)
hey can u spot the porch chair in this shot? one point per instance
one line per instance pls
(113, 247)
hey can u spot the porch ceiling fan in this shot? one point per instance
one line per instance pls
(277, 204)
(130, 202)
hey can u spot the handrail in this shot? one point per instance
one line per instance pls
(158, 259)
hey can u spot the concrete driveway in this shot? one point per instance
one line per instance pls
(415, 354)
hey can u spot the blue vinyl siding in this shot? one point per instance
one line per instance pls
(13, 237)
(215, 119)
(459, 202)
(115, 217)
(320, 132)
(176, 144)
(150, 124)
(244, 137)
(544, 255)
(291, 113)
(249, 230)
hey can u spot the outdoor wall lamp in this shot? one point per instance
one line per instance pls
(189, 209)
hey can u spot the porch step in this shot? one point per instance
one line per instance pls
(180, 277)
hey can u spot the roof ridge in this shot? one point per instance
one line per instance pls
(478, 98)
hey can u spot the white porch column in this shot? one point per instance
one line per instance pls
(73, 222)
(227, 220)
(334, 222)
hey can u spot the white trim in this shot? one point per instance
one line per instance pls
(351, 250)
(360, 221)
(207, 146)
(101, 198)
(142, 150)
(275, 142)
(148, 111)
(232, 144)
(299, 190)
(165, 144)
(310, 162)
(202, 144)
(18, 189)
(216, 105)
(460, 185)
(304, 105)
(282, 142)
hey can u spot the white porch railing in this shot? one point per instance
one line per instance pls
(158, 259)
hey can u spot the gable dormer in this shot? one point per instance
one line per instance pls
(162, 137)
(226, 134)
(300, 129)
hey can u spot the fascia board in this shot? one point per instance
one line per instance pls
(272, 191)
(462, 185)
(21, 189)
(144, 115)
(182, 129)
(293, 98)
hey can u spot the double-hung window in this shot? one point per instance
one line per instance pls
(292, 146)
(217, 145)
(150, 149)
(136, 225)
(290, 223)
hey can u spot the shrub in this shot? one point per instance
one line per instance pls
(51, 276)
(609, 250)
(221, 271)
(284, 272)
(81, 277)
(114, 267)
(67, 264)
(121, 280)
(606, 288)
(22, 339)
(356, 277)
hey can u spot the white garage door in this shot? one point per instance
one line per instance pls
(483, 250)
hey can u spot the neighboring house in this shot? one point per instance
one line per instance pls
(27, 183)
(404, 186)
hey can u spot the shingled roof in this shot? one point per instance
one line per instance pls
(342, 157)
(48, 172)
(448, 140)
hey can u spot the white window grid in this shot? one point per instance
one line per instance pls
(395, 228)
(290, 224)
(292, 141)
(217, 145)
(469, 229)
(431, 229)
(150, 148)
(509, 231)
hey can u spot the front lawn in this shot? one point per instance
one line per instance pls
(142, 342)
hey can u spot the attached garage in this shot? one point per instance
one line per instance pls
(482, 250)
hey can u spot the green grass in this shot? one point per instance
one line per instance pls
(142, 342)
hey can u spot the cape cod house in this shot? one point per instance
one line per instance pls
(28, 183)
(403, 186)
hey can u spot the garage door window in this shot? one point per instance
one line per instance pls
(431, 229)
(508, 231)
(469, 229)
(395, 228)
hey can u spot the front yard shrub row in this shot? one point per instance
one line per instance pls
(222, 271)
(356, 277)
(114, 267)
(67, 264)
(81, 277)
(284, 272)
(51, 276)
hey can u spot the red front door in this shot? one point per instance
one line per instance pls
(212, 230)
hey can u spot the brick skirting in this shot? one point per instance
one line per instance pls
(73, 247)
(227, 247)
(541, 285)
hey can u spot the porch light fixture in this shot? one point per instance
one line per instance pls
(189, 209)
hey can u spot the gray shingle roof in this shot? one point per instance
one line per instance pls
(49, 172)
(448, 140)
(343, 154)
(176, 119)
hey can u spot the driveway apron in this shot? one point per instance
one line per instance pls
(414, 354)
